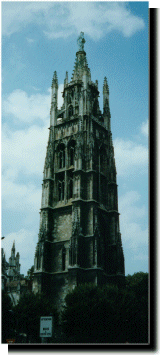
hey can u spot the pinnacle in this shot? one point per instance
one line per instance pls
(105, 85)
(105, 81)
(55, 79)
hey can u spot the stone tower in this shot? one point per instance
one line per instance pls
(14, 265)
(79, 238)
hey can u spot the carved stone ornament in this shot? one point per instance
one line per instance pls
(39, 250)
(77, 177)
(46, 184)
(79, 140)
(91, 140)
(43, 231)
(50, 153)
(46, 166)
(81, 41)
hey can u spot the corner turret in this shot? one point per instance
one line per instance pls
(66, 79)
(14, 265)
(106, 109)
(54, 99)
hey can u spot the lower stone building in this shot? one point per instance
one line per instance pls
(15, 289)
(13, 283)
(4, 270)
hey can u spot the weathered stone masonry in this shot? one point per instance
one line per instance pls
(79, 238)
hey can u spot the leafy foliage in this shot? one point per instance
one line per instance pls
(108, 314)
(28, 312)
(29, 278)
(92, 314)
(7, 318)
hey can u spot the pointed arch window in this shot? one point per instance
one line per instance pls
(73, 251)
(63, 258)
(60, 190)
(94, 251)
(70, 111)
(70, 188)
(71, 153)
(102, 159)
(61, 156)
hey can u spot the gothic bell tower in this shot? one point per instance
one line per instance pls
(79, 237)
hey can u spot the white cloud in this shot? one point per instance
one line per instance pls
(23, 156)
(130, 156)
(16, 16)
(27, 108)
(128, 201)
(62, 19)
(144, 128)
(20, 196)
(16, 62)
(133, 233)
(97, 19)
(30, 40)
(35, 88)
(23, 151)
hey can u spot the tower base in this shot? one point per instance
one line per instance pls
(57, 285)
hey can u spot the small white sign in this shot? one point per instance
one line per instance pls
(45, 327)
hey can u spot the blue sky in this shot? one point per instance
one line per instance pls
(37, 39)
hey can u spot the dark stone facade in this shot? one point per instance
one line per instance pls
(79, 239)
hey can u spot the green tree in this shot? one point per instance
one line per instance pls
(7, 318)
(92, 314)
(137, 284)
(28, 312)
(108, 314)
(29, 278)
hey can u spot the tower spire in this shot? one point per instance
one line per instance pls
(81, 65)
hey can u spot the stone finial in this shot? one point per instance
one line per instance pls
(13, 247)
(66, 78)
(17, 256)
(81, 41)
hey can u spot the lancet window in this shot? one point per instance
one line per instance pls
(61, 155)
(73, 251)
(60, 190)
(70, 187)
(63, 259)
(102, 160)
(71, 153)
(70, 111)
